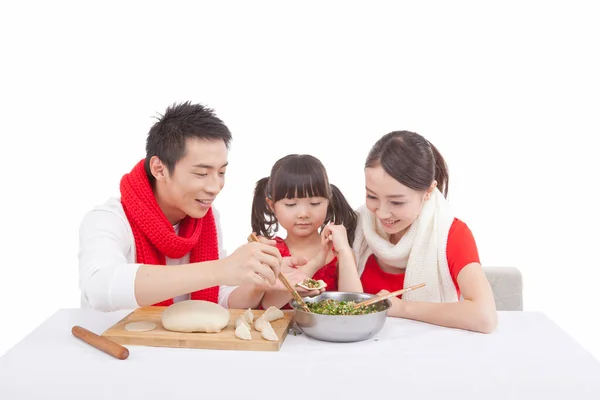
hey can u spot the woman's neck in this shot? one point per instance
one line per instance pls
(395, 237)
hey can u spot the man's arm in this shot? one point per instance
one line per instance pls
(106, 275)
(247, 295)
(155, 283)
(110, 280)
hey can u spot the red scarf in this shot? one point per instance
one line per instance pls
(155, 237)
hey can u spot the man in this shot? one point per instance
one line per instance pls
(164, 216)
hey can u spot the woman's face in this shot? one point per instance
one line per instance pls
(395, 205)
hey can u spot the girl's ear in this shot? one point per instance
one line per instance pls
(270, 205)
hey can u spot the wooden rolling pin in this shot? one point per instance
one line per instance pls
(101, 343)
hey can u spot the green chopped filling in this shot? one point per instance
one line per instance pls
(311, 283)
(340, 307)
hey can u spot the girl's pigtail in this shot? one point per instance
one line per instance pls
(341, 213)
(263, 219)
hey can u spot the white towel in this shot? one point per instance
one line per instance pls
(421, 250)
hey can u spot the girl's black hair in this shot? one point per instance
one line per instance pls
(299, 176)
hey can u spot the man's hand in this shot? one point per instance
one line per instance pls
(257, 263)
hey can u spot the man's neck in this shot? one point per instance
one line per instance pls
(173, 214)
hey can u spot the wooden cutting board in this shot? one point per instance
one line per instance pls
(224, 340)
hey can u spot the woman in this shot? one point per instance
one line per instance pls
(407, 234)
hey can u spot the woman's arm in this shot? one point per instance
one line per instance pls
(477, 312)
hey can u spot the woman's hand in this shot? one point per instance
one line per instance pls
(396, 310)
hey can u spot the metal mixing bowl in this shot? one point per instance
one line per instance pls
(341, 328)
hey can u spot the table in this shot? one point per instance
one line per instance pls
(527, 357)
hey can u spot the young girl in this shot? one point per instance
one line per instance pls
(407, 234)
(316, 216)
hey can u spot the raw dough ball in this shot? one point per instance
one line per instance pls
(140, 326)
(195, 316)
(243, 332)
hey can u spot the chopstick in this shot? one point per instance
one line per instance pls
(388, 296)
(252, 238)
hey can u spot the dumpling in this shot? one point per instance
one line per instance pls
(243, 332)
(311, 284)
(249, 316)
(272, 314)
(241, 321)
(260, 323)
(268, 333)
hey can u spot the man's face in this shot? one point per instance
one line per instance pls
(195, 181)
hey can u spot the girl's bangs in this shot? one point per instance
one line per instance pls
(290, 185)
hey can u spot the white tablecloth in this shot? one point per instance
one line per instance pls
(527, 357)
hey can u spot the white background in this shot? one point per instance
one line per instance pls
(509, 93)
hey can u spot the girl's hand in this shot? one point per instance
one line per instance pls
(319, 260)
(294, 276)
(337, 236)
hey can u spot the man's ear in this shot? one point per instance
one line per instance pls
(157, 168)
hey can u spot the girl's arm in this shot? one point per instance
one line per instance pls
(477, 312)
(247, 295)
(348, 279)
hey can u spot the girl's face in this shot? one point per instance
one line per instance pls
(300, 216)
(395, 205)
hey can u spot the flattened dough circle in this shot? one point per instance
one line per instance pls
(140, 326)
